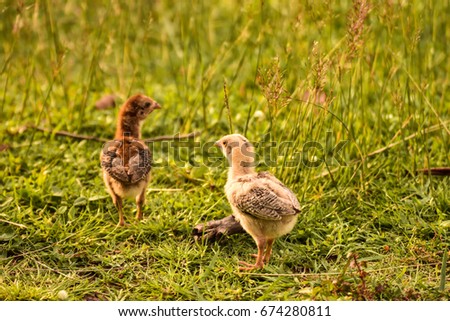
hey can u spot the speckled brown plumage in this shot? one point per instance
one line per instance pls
(126, 160)
(263, 205)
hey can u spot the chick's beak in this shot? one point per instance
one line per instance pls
(156, 105)
(217, 144)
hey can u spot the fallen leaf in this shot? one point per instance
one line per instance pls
(4, 147)
(107, 101)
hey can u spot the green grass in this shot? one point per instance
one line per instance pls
(371, 227)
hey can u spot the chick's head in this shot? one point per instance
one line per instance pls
(237, 149)
(140, 106)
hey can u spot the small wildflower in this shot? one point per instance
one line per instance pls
(259, 115)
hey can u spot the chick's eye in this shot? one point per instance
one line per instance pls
(147, 104)
(224, 143)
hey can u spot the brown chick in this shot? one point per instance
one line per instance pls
(126, 160)
(265, 207)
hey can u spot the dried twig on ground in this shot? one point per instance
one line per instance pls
(385, 148)
(99, 139)
(437, 171)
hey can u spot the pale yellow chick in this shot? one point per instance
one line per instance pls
(265, 207)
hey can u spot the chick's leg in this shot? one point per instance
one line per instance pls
(261, 243)
(140, 200)
(268, 250)
(118, 203)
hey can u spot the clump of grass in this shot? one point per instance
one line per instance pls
(320, 65)
(271, 82)
(357, 17)
(227, 106)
